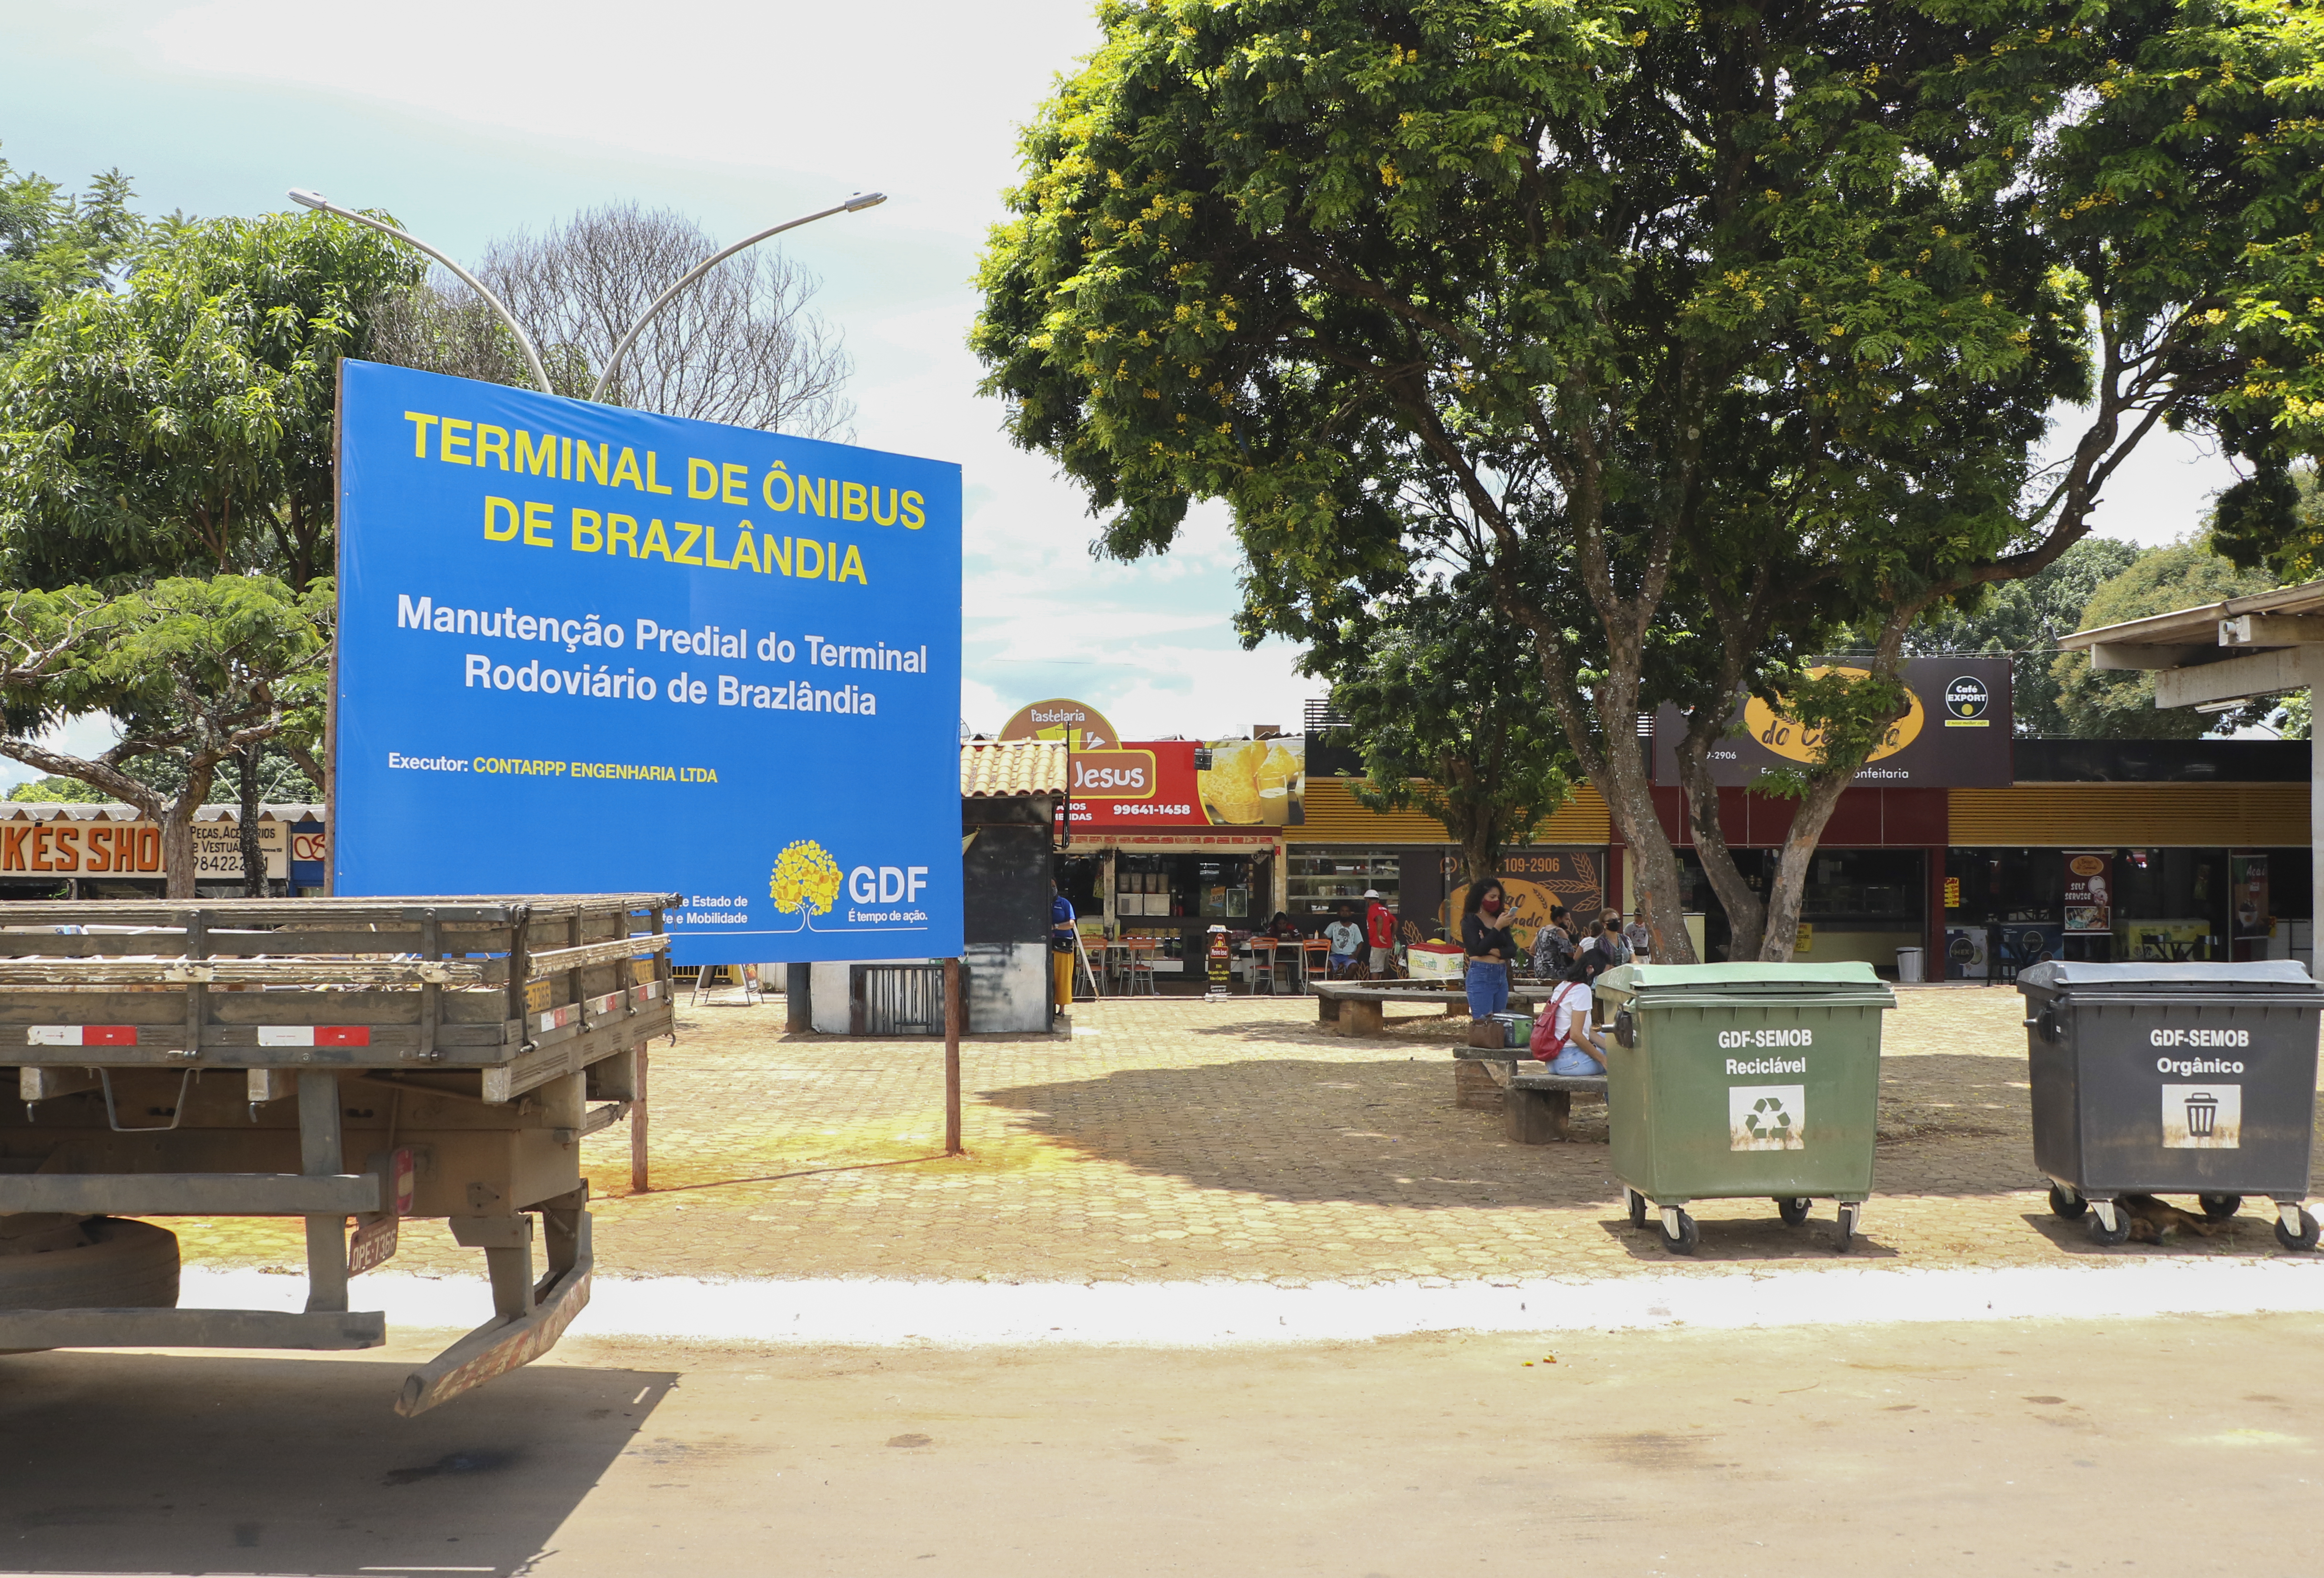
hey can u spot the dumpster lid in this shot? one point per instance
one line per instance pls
(2264, 977)
(1850, 975)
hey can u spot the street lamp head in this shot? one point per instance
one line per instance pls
(307, 199)
(862, 200)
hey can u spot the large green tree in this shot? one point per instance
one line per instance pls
(54, 242)
(182, 424)
(1618, 304)
(195, 672)
(1442, 696)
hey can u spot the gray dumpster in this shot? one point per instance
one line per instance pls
(2174, 1079)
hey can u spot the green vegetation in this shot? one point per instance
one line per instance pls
(1697, 337)
(1443, 701)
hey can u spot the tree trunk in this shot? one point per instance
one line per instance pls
(177, 845)
(253, 855)
(1631, 803)
(1785, 893)
(1825, 786)
(177, 827)
(1746, 916)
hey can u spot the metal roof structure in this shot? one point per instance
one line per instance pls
(116, 811)
(1013, 769)
(2218, 652)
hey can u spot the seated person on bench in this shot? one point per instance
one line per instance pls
(1345, 937)
(1563, 1036)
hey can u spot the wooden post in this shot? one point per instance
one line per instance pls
(952, 1057)
(639, 1183)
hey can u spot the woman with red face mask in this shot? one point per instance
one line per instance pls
(1485, 938)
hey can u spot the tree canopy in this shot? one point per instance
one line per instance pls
(1670, 323)
(1442, 697)
(196, 671)
(54, 242)
(183, 422)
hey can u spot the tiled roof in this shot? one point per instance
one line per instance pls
(994, 769)
(115, 811)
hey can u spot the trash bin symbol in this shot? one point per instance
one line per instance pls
(2202, 1113)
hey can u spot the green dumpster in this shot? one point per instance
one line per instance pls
(1730, 1082)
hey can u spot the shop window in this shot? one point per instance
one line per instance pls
(1319, 882)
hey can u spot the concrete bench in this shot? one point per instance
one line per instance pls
(1355, 1008)
(1537, 1105)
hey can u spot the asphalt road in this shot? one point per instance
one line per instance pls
(2175, 1445)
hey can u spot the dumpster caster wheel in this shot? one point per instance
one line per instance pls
(2065, 1202)
(1637, 1204)
(1851, 1217)
(2220, 1207)
(2305, 1239)
(1792, 1212)
(1688, 1235)
(2110, 1222)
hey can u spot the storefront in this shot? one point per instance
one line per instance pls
(2084, 849)
(1168, 838)
(55, 851)
(1344, 847)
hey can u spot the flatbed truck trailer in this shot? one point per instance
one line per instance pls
(343, 1060)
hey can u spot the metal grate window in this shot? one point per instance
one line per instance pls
(896, 1000)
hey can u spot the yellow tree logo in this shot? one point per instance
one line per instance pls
(805, 880)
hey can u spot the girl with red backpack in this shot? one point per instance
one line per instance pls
(1563, 1036)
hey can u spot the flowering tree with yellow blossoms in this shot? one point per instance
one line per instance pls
(805, 880)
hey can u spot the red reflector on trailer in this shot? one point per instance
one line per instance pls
(81, 1035)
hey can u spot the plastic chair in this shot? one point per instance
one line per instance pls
(1316, 953)
(1262, 961)
(1142, 950)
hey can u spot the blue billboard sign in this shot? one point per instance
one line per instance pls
(584, 649)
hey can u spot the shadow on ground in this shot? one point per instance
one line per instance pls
(1388, 1131)
(149, 1463)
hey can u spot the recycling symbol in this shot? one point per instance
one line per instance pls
(1766, 1119)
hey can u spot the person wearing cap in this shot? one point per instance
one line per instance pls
(1380, 932)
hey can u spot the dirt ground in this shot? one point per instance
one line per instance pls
(1173, 1139)
(2178, 1446)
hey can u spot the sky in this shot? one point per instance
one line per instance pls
(468, 119)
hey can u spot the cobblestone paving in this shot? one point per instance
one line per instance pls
(1175, 1139)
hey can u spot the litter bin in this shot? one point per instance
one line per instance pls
(1908, 966)
(1735, 1080)
(2174, 1079)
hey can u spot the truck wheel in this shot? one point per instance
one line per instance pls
(120, 1265)
(2220, 1207)
(2308, 1234)
(2065, 1202)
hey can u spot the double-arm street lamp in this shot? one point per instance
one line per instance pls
(524, 341)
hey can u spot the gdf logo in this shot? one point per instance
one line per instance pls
(887, 884)
(1967, 698)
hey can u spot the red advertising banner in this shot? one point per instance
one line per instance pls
(1146, 784)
